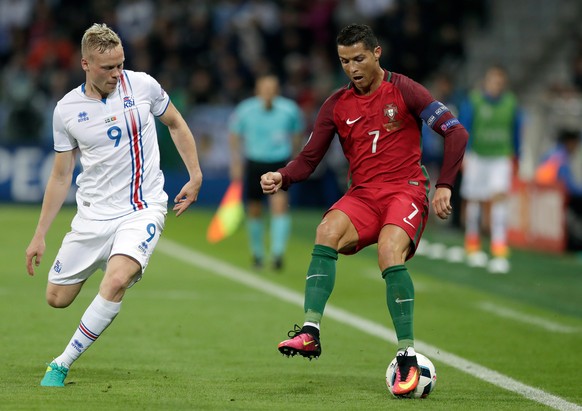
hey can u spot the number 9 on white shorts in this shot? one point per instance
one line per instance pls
(90, 244)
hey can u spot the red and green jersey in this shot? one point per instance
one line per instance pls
(381, 134)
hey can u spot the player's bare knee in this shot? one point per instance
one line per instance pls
(114, 284)
(328, 233)
(388, 261)
(390, 255)
(58, 301)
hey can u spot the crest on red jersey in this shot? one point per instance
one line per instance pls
(390, 111)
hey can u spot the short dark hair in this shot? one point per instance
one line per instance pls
(565, 135)
(357, 33)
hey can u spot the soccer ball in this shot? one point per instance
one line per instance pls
(426, 383)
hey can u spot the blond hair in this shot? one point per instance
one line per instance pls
(99, 37)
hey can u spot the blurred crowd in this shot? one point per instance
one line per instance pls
(208, 52)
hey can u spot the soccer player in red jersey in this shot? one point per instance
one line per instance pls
(377, 118)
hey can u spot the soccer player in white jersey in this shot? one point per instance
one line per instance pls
(121, 205)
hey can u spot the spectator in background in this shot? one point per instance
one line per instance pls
(215, 49)
(15, 18)
(23, 104)
(492, 117)
(577, 67)
(58, 86)
(557, 159)
(265, 131)
(562, 165)
(571, 173)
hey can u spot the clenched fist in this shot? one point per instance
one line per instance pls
(271, 182)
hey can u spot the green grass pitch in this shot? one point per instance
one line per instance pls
(199, 332)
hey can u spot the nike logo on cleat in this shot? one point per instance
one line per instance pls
(306, 343)
(408, 386)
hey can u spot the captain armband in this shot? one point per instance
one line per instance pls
(449, 123)
(433, 112)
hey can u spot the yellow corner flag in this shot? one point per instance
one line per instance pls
(229, 214)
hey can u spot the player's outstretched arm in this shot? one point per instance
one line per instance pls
(186, 146)
(271, 182)
(55, 194)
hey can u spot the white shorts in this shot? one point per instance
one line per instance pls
(485, 177)
(91, 243)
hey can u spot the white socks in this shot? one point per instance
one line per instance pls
(408, 352)
(472, 217)
(95, 320)
(499, 212)
(314, 325)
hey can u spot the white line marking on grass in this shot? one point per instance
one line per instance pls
(528, 319)
(239, 275)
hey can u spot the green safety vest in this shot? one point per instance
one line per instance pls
(493, 125)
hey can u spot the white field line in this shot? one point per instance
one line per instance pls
(195, 258)
(528, 319)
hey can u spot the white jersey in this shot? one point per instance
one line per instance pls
(118, 143)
